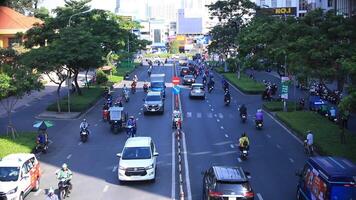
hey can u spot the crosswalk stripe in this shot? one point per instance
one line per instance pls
(210, 115)
(221, 116)
(199, 115)
(189, 114)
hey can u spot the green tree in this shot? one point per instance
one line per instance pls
(22, 6)
(174, 47)
(16, 81)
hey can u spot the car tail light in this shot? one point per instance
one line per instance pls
(215, 194)
(249, 194)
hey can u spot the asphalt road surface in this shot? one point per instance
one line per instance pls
(211, 133)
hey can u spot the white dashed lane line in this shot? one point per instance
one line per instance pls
(212, 110)
(226, 135)
(259, 196)
(291, 160)
(80, 143)
(278, 146)
(268, 135)
(221, 127)
(218, 120)
(232, 146)
(239, 159)
(69, 156)
(106, 188)
(96, 125)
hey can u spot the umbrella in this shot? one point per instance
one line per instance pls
(43, 125)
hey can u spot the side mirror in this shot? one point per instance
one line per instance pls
(248, 174)
(118, 155)
(155, 154)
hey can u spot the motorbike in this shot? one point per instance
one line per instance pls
(210, 88)
(227, 101)
(130, 131)
(63, 189)
(115, 126)
(41, 147)
(243, 118)
(259, 124)
(105, 115)
(126, 95)
(127, 76)
(145, 88)
(244, 153)
(133, 88)
(309, 150)
(84, 134)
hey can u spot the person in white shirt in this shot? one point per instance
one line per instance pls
(309, 142)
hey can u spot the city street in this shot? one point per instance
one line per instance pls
(211, 133)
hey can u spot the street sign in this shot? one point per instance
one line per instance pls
(176, 89)
(175, 80)
(284, 91)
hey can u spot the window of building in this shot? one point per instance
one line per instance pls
(330, 3)
(157, 36)
(301, 14)
(273, 3)
(303, 5)
(288, 3)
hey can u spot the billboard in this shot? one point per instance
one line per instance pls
(283, 11)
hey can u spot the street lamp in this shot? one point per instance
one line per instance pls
(69, 82)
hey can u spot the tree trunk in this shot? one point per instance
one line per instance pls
(79, 92)
(59, 97)
(340, 82)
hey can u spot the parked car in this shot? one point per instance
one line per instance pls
(184, 71)
(19, 175)
(138, 160)
(188, 80)
(224, 182)
(197, 90)
(327, 178)
(153, 103)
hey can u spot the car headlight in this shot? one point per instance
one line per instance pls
(149, 167)
(160, 105)
(12, 191)
(122, 167)
(146, 105)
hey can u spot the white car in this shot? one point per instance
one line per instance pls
(138, 160)
(19, 174)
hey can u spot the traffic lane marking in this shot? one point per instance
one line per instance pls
(106, 188)
(259, 196)
(69, 156)
(291, 160)
(114, 168)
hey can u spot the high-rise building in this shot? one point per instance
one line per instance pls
(117, 8)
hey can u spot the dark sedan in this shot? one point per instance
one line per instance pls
(188, 80)
(184, 71)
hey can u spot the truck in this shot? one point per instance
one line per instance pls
(157, 83)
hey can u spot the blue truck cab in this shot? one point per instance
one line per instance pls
(327, 178)
(158, 84)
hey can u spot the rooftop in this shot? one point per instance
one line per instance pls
(12, 20)
(15, 160)
(138, 142)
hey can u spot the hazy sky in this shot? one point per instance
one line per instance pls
(99, 4)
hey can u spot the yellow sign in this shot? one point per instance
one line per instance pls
(180, 37)
(283, 11)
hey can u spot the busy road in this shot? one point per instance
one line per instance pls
(211, 134)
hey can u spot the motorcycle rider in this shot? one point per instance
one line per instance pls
(243, 110)
(131, 122)
(211, 83)
(244, 142)
(227, 96)
(51, 195)
(149, 71)
(225, 84)
(135, 79)
(84, 126)
(309, 142)
(259, 116)
(65, 174)
(145, 87)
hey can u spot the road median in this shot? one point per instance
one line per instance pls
(244, 84)
(275, 106)
(327, 135)
(23, 143)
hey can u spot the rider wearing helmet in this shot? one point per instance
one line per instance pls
(243, 110)
(244, 142)
(66, 175)
(51, 195)
(84, 125)
(132, 122)
(259, 115)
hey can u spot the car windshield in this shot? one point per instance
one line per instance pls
(188, 76)
(157, 85)
(132, 153)
(9, 173)
(153, 98)
(197, 87)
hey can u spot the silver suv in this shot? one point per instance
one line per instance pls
(153, 103)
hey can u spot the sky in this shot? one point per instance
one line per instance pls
(98, 4)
